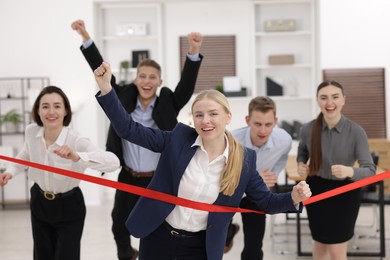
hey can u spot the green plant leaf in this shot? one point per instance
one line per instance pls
(11, 116)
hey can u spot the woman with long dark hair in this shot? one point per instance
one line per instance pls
(329, 147)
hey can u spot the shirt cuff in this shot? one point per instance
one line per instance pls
(84, 157)
(12, 170)
(87, 43)
(193, 57)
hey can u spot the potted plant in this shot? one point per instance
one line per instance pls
(11, 121)
(219, 87)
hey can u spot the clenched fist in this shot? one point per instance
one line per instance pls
(300, 192)
(195, 41)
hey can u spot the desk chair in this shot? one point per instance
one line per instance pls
(375, 196)
(368, 196)
(377, 199)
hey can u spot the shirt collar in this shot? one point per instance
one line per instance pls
(151, 105)
(60, 139)
(225, 154)
(338, 127)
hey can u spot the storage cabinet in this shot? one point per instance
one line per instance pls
(288, 28)
(122, 28)
(16, 94)
(125, 31)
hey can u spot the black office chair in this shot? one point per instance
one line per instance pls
(370, 195)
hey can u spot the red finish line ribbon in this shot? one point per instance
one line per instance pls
(152, 194)
(348, 187)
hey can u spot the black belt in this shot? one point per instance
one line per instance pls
(182, 233)
(138, 174)
(51, 195)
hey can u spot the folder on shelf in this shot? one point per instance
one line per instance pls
(273, 88)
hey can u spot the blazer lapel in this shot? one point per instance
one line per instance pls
(183, 161)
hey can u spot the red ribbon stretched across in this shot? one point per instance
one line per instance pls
(348, 187)
(152, 194)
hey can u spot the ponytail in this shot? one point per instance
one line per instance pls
(231, 173)
(316, 147)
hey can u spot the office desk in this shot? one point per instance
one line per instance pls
(292, 174)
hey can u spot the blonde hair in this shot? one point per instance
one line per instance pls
(231, 173)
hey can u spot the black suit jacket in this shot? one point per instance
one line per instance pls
(168, 103)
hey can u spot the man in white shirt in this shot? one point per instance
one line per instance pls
(272, 145)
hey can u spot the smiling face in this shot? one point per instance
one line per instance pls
(331, 100)
(148, 80)
(210, 119)
(261, 125)
(52, 111)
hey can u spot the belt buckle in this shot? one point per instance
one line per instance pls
(49, 195)
(175, 233)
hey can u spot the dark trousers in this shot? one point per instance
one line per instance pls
(123, 204)
(162, 245)
(57, 225)
(254, 229)
(254, 226)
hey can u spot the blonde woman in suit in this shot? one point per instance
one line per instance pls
(204, 164)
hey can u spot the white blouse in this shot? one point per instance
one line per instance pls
(201, 182)
(34, 150)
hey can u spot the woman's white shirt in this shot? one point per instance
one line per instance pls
(34, 150)
(200, 182)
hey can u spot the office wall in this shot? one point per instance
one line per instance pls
(36, 40)
(353, 34)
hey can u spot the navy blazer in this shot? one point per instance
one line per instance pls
(176, 153)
